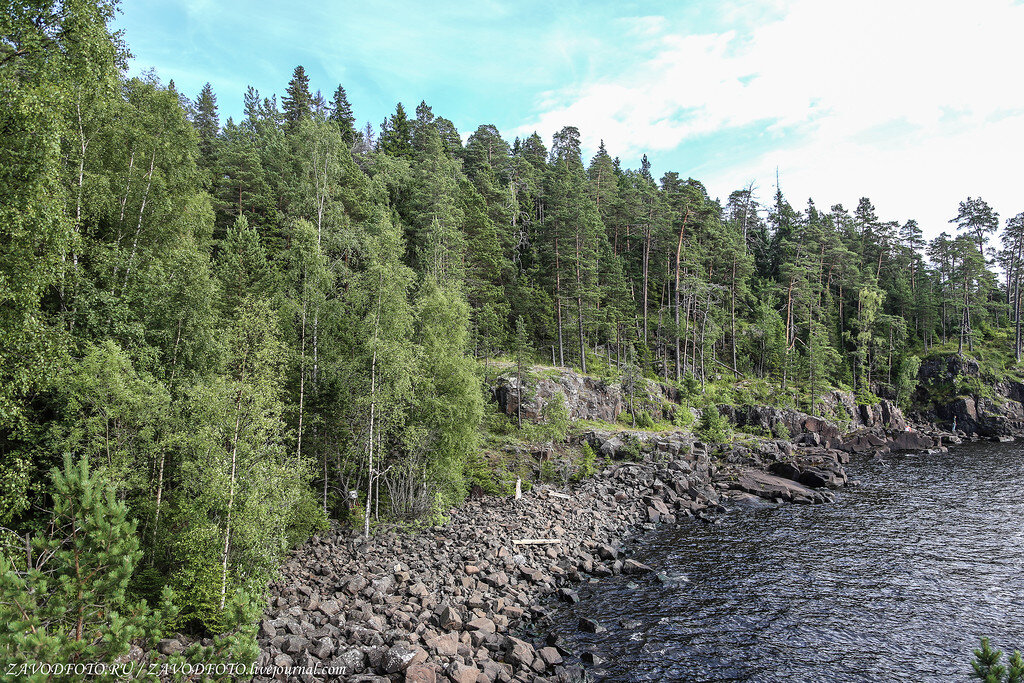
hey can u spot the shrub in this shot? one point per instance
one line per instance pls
(588, 460)
(644, 421)
(780, 431)
(631, 450)
(556, 417)
(548, 472)
(478, 472)
(712, 426)
(682, 417)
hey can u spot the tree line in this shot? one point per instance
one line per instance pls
(249, 327)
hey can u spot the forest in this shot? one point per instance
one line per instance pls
(216, 336)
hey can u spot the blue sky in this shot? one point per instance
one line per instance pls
(913, 104)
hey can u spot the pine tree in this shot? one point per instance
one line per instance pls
(65, 601)
(975, 217)
(986, 666)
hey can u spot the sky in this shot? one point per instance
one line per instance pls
(916, 105)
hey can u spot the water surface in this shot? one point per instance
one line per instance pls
(895, 581)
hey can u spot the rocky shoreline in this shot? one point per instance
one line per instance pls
(468, 601)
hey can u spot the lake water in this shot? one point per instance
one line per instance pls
(897, 580)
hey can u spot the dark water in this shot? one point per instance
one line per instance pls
(896, 581)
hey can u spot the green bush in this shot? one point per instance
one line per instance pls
(780, 431)
(548, 472)
(631, 450)
(682, 417)
(712, 426)
(644, 421)
(588, 460)
(556, 418)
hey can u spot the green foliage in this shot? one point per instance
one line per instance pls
(448, 404)
(479, 472)
(238, 323)
(682, 417)
(780, 431)
(587, 462)
(631, 450)
(548, 471)
(986, 665)
(712, 427)
(906, 380)
(555, 414)
(644, 421)
(65, 599)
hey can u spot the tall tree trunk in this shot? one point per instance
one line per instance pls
(373, 407)
(579, 298)
(679, 255)
(646, 272)
(732, 317)
(231, 499)
(302, 380)
(142, 211)
(558, 305)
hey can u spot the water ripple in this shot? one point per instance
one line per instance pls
(896, 582)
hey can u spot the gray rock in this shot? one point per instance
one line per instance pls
(170, 646)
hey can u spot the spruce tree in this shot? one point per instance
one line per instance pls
(396, 135)
(341, 114)
(297, 104)
(207, 124)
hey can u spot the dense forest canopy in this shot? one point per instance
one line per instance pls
(239, 323)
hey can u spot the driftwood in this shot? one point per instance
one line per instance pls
(536, 541)
(556, 494)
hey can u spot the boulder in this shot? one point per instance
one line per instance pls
(482, 624)
(170, 646)
(634, 567)
(912, 441)
(400, 657)
(421, 673)
(769, 486)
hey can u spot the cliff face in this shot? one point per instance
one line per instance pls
(587, 398)
(956, 392)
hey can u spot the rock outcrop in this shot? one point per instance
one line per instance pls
(586, 398)
(956, 393)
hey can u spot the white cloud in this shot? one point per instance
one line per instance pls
(914, 104)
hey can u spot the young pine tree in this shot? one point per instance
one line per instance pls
(986, 666)
(65, 600)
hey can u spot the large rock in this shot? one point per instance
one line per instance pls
(586, 398)
(421, 673)
(401, 657)
(769, 486)
(772, 420)
(633, 567)
(912, 441)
